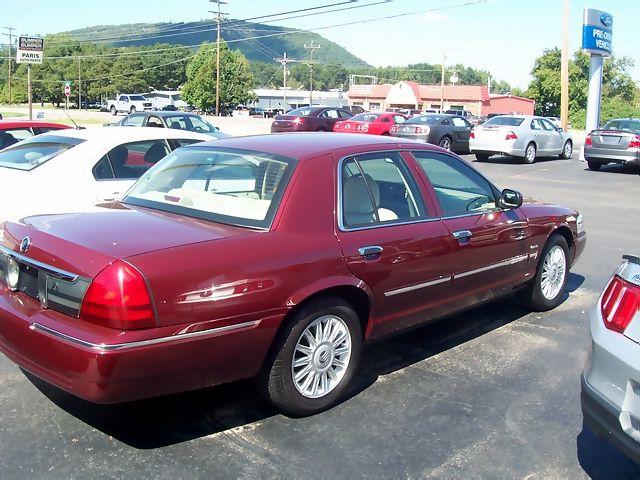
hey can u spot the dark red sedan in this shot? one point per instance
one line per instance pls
(309, 119)
(372, 123)
(12, 131)
(275, 257)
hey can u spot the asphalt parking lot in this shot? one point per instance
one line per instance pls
(493, 392)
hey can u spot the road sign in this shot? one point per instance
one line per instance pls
(30, 50)
(67, 90)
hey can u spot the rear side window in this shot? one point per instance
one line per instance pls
(35, 151)
(459, 188)
(130, 160)
(377, 189)
(134, 121)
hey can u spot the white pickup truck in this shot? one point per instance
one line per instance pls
(129, 104)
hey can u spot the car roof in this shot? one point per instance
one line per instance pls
(304, 144)
(130, 134)
(166, 113)
(12, 123)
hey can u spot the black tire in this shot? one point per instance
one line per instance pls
(532, 296)
(445, 142)
(321, 129)
(530, 157)
(276, 379)
(113, 110)
(567, 150)
(482, 157)
(132, 110)
(595, 166)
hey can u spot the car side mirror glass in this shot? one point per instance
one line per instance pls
(510, 198)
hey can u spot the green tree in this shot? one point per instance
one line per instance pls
(236, 79)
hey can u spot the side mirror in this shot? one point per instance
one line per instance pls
(510, 199)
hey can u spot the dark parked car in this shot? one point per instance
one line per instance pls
(309, 119)
(618, 141)
(274, 256)
(13, 131)
(354, 109)
(450, 132)
(190, 122)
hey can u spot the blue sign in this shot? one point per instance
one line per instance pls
(597, 32)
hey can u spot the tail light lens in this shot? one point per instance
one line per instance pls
(511, 136)
(363, 127)
(635, 143)
(118, 298)
(472, 134)
(394, 129)
(587, 140)
(620, 303)
(421, 130)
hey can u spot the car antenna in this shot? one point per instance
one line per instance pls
(72, 121)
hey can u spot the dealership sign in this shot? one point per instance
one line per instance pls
(597, 32)
(30, 50)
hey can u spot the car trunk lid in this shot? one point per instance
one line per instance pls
(612, 139)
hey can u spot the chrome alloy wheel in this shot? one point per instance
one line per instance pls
(530, 153)
(568, 150)
(554, 269)
(445, 143)
(321, 356)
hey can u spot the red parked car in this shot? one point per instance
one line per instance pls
(274, 256)
(12, 131)
(309, 119)
(371, 123)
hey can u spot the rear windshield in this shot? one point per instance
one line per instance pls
(301, 112)
(425, 119)
(505, 121)
(365, 117)
(35, 151)
(236, 187)
(624, 125)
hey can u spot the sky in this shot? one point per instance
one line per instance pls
(502, 36)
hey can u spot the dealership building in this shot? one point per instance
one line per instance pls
(475, 99)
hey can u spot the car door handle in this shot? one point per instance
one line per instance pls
(463, 236)
(370, 251)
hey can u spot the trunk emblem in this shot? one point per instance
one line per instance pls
(25, 244)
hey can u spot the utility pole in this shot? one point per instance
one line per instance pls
(564, 69)
(29, 91)
(313, 48)
(219, 15)
(444, 59)
(79, 87)
(284, 60)
(10, 35)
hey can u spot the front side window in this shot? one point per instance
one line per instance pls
(155, 122)
(35, 151)
(237, 187)
(460, 189)
(377, 188)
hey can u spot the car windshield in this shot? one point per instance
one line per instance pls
(301, 112)
(236, 187)
(425, 119)
(365, 117)
(624, 125)
(35, 151)
(505, 121)
(137, 98)
(191, 123)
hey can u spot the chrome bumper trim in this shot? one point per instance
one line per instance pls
(56, 272)
(504, 263)
(410, 288)
(102, 347)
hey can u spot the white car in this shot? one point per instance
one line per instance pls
(524, 136)
(71, 171)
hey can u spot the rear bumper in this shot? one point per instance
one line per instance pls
(609, 155)
(511, 149)
(603, 419)
(81, 359)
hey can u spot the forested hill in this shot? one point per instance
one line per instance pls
(240, 35)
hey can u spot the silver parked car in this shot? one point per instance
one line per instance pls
(450, 132)
(618, 141)
(524, 136)
(611, 380)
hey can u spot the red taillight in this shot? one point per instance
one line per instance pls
(511, 136)
(620, 303)
(417, 130)
(587, 140)
(118, 298)
(362, 127)
(472, 134)
(394, 129)
(635, 143)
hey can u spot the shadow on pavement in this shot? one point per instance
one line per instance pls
(507, 160)
(172, 419)
(599, 459)
(619, 168)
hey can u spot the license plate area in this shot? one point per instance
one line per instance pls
(28, 280)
